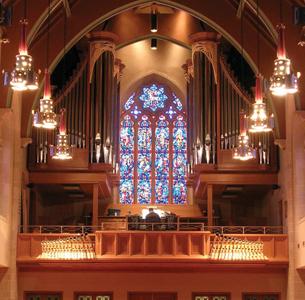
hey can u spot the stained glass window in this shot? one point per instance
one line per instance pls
(144, 161)
(129, 102)
(153, 97)
(162, 161)
(179, 161)
(153, 155)
(127, 161)
(177, 102)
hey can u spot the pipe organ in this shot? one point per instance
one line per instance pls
(92, 102)
(215, 100)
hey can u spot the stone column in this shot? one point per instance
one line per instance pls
(292, 188)
(11, 166)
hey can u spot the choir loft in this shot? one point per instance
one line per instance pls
(152, 150)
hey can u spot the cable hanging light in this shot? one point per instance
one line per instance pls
(243, 151)
(153, 19)
(23, 77)
(283, 81)
(62, 150)
(45, 117)
(259, 119)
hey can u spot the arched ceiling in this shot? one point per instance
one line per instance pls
(86, 15)
(166, 62)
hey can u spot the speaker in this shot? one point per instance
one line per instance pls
(299, 15)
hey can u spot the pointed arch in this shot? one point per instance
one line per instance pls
(153, 139)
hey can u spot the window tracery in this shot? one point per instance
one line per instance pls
(153, 141)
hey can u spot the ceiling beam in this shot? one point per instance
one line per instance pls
(237, 179)
(240, 9)
(67, 7)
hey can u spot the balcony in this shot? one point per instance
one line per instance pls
(152, 249)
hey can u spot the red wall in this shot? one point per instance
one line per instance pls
(236, 282)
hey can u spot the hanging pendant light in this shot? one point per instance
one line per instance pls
(243, 151)
(282, 81)
(23, 77)
(153, 44)
(153, 19)
(45, 117)
(62, 150)
(259, 119)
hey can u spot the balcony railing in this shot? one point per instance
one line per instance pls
(143, 226)
(145, 246)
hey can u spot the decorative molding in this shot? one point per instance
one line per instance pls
(25, 142)
(207, 43)
(301, 114)
(281, 143)
(4, 112)
(100, 42)
(118, 69)
(188, 70)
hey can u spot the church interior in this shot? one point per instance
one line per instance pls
(152, 150)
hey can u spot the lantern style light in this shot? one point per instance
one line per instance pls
(62, 149)
(45, 117)
(153, 44)
(23, 77)
(154, 20)
(243, 151)
(283, 81)
(259, 119)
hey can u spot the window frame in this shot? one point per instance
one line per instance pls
(153, 117)
(43, 293)
(175, 294)
(93, 293)
(211, 294)
(260, 295)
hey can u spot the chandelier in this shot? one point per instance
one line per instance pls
(259, 120)
(243, 151)
(23, 77)
(62, 149)
(283, 81)
(45, 117)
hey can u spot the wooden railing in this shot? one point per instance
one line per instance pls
(153, 245)
(123, 225)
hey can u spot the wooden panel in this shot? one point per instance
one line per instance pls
(268, 246)
(182, 244)
(196, 245)
(280, 247)
(239, 178)
(137, 244)
(152, 243)
(78, 162)
(108, 244)
(164, 296)
(151, 296)
(156, 245)
(24, 246)
(123, 244)
(35, 246)
(140, 296)
(167, 241)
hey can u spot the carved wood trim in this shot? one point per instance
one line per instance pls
(207, 43)
(100, 42)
